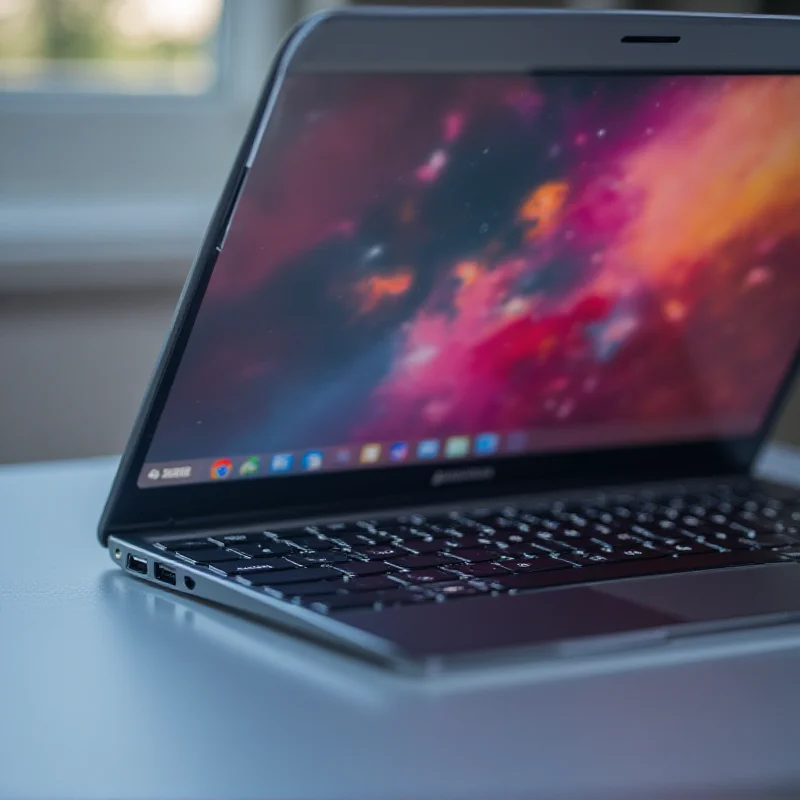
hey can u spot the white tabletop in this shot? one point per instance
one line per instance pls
(112, 688)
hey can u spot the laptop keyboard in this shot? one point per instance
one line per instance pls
(413, 559)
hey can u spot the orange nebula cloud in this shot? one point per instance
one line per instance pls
(374, 289)
(542, 207)
(468, 272)
(708, 178)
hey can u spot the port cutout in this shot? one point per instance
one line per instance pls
(188, 582)
(136, 564)
(164, 574)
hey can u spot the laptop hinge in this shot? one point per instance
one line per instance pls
(288, 514)
(145, 527)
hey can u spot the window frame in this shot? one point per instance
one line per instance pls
(102, 188)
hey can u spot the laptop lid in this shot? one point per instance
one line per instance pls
(457, 257)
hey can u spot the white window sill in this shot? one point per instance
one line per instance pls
(100, 246)
(107, 191)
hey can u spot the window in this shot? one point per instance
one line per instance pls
(114, 46)
(120, 120)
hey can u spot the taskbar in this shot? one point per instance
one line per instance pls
(290, 463)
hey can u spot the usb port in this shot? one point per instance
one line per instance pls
(136, 564)
(164, 574)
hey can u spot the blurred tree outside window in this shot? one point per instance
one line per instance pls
(109, 46)
(119, 120)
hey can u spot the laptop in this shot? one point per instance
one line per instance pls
(487, 330)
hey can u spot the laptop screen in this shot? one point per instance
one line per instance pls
(447, 268)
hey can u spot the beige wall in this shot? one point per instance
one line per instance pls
(73, 368)
(74, 365)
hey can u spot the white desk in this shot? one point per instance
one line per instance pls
(111, 688)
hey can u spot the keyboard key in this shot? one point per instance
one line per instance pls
(745, 529)
(730, 541)
(475, 554)
(628, 554)
(773, 540)
(277, 577)
(455, 589)
(187, 544)
(584, 559)
(414, 519)
(600, 529)
(305, 589)
(370, 583)
(692, 547)
(317, 545)
(341, 527)
(540, 564)
(514, 538)
(308, 543)
(547, 542)
(504, 524)
(481, 570)
(269, 548)
(209, 555)
(421, 576)
(472, 540)
(788, 529)
(295, 533)
(623, 540)
(358, 540)
(419, 562)
(421, 546)
(404, 532)
(363, 568)
(230, 539)
(380, 552)
(245, 566)
(523, 551)
(315, 559)
(651, 533)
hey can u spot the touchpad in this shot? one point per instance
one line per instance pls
(718, 594)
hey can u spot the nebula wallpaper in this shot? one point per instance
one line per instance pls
(419, 256)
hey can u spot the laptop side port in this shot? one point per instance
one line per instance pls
(164, 574)
(136, 564)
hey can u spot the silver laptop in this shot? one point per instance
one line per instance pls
(491, 320)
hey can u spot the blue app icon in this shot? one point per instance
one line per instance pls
(312, 460)
(486, 444)
(281, 462)
(428, 448)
